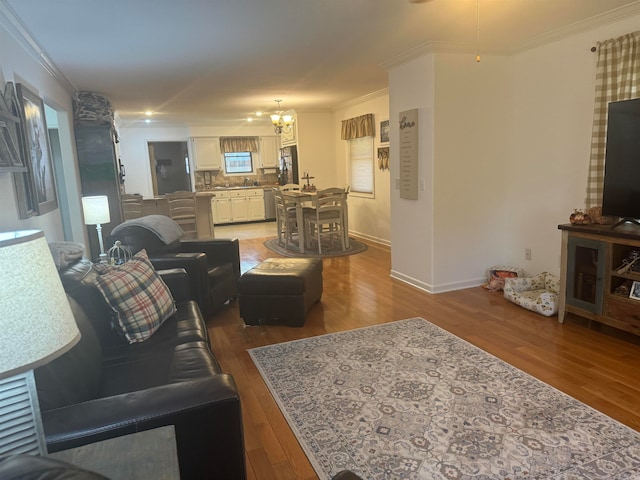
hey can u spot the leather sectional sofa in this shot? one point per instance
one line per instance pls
(105, 387)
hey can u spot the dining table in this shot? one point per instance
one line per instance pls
(299, 198)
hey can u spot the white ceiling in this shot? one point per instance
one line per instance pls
(215, 62)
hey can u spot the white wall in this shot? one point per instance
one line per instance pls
(553, 113)
(412, 85)
(316, 148)
(18, 66)
(473, 105)
(368, 217)
(506, 158)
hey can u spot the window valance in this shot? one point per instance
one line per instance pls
(239, 144)
(356, 127)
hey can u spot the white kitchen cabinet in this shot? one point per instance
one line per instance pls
(255, 204)
(269, 150)
(205, 152)
(239, 207)
(221, 207)
(290, 138)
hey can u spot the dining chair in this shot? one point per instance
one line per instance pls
(131, 205)
(286, 221)
(326, 217)
(346, 215)
(182, 209)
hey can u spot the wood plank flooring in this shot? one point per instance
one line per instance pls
(598, 367)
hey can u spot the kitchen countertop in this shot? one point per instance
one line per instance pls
(221, 189)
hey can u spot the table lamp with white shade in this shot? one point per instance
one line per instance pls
(96, 212)
(37, 326)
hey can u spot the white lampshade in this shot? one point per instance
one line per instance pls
(96, 210)
(37, 326)
(35, 317)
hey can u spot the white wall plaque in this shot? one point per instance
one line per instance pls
(409, 154)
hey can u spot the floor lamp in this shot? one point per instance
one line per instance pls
(96, 212)
(37, 326)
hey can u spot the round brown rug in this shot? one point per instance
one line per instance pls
(328, 249)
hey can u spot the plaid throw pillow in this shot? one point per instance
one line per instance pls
(139, 298)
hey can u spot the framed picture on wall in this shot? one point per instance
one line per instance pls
(39, 158)
(384, 131)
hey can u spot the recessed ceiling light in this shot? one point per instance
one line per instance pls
(249, 119)
(147, 120)
(258, 114)
(148, 113)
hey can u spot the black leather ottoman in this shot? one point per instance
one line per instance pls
(280, 291)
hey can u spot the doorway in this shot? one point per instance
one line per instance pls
(169, 165)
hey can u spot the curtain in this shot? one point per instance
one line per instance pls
(239, 144)
(617, 78)
(362, 126)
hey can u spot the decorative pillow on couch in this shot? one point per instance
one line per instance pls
(139, 298)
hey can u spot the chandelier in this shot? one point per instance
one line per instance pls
(281, 123)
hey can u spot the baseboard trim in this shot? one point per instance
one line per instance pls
(441, 288)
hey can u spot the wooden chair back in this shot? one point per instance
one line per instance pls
(131, 205)
(182, 209)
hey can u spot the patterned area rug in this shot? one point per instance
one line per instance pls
(408, 400)
(328, 249)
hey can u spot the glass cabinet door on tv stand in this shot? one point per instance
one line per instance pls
(585, 274)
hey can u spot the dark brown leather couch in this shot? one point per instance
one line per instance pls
(105, 387)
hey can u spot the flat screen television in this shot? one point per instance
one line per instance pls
(621, 193)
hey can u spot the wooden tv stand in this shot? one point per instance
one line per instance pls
(591, 283)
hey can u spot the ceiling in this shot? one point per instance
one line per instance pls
(215, 62)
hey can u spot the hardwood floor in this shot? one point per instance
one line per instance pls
(599, 368)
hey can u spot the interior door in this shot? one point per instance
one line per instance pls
(169, 163)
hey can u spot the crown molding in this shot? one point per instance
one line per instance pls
(12, 23)
(364, 98)
(615, 15)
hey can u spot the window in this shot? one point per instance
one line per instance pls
(361, 165)
(238, 162)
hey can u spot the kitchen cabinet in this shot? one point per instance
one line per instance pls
(255, 204)
(269, 152)
(595, 281)
(237, 205)
(290, 138)
(221, 207)
(205, 152)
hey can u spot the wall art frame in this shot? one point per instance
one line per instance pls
(21, 183)
(11, 154)
(38, 151)
(384, 131)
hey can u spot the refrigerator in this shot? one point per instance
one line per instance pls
(288, 165)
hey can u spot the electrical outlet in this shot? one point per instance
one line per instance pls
(527, 254)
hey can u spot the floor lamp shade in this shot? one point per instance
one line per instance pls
(96, 210)
(37, 326)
